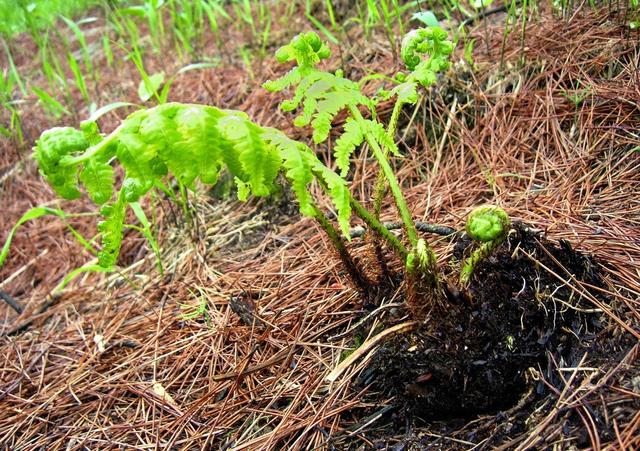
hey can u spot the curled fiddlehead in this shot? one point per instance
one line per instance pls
(488, 225)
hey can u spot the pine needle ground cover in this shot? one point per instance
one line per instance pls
(253, 336)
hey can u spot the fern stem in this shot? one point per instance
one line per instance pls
(379, 228)
(372, 222)
(380, 180)
(386, 169)
(395, 116)
(355, 273)
(476, 257)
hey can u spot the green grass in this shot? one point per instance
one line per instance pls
(17, 16)
(70, 60)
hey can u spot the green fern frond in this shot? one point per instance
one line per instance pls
(407, 92)
(190, 142)
(135, 156)
(327, 109)
(339, 193)
(310, 104)
(196, 142)
(380, 134)
(244, 189)
(296, 163)
(322, 94)
(112, 229)
(292, 77)
(260, 163)
(307, 49)
(301, 91)
(431, 41)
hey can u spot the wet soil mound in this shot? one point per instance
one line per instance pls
(483, 353)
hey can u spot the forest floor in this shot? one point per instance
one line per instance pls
(547, 127)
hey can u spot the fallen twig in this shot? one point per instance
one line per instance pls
(11, 302)
(425, 227)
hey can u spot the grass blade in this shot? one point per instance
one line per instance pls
(108, 108)
(33, 213)
(148, 234)
(51, 104)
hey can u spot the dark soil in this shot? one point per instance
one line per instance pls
(483, 354)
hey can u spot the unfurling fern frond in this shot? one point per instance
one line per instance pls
(432, 42)
(260, 163)
(196, 142)
(328, 107)
(191, 142)
(310, 99)
(53, 145)
(301, 91)
(112, 229)
(307, 49)
(322, 94)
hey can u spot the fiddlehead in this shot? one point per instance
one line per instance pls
(488, 225)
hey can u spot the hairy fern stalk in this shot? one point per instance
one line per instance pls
(197, 142)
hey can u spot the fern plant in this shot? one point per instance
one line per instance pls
(320, 95)
(189, 141)
(196, 143)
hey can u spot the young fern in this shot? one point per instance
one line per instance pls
(489, 225)
(321, 95)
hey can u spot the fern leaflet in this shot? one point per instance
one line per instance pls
(345, 145)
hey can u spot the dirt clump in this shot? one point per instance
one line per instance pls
(484, 354)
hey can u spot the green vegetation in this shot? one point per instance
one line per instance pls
(317, 94)
(183, 28)
(198, 142)
(489, 226)
(361, 147)
(18, 16)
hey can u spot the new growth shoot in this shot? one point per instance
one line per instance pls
(488, 225)
(321, 95)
